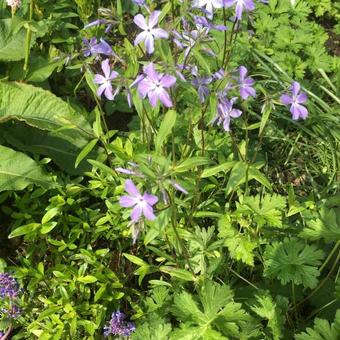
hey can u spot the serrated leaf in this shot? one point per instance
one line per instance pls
(293, 261)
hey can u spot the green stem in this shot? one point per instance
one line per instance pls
(294, 301)
(28, 37)
(329, 256)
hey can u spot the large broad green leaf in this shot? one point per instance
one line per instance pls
(41, 109)
(64, 132)
(29, 139)
(17, 171)
(12, 39)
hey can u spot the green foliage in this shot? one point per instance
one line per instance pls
(293, 261)
(322, 330)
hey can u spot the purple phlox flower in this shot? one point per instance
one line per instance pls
(186, 40)
(96, 23)
(14, 4)
(295, 100)
(208, 6)
(204, 23)
(225, 112)
(142, 204)
(178, 187)
(8, 286)
(105, 81)
(139, 2)
(201, 84)
(240, 6)
(118, 326)
(150, 32)
(246, 84)
(154, 86)
(218, 75)
(130, 171)
(12, 313)
(92, 47)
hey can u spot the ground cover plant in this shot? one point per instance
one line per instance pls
(169, 169)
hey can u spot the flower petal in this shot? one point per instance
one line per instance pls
(153, 19)
(139, 20)
(150, 71)
(140, 37)
(295, 88)
(150, 43)
(168, 81)
(148, 212)
(286, 99)
(99, 79)
(302, 98)
(160, 33)
(127, 201)
(243, 72)
(106, 68)
(132, 189)
(136, 213)
(164, 97)
(101, 89)
(150, 199)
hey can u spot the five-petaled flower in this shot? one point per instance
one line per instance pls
(92, 47)
(241, 5)
(246, 84)
(142, 204)
(295, 100)
(105, 81)
(209, 6)
(154, 86)
(225, 112)
(150, 32)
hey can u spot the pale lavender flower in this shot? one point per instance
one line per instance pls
(201, 84)
(12, 313)
(154, 86)
(240, 6)
(139, 2)
(225, 112)
(8, 286)
(246, 84)
(178, 187)
(203, 22)
(295, 100)
(96, 23)
(92, 47)
(105, 81)
(118, 326)
(150, 32)
(142, 204)
(15, 4)
(208, 6)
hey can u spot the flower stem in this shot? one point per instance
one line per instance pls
(28, 37)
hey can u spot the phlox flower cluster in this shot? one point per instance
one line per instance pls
(118, 326)
(9, 287)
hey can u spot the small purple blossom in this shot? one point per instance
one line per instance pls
(225, 112)
(8, 286)
(295, 100)
(154, 86)
(92, 47)
(203, 22)
(178, 187)
(12, 313)
(246, 84)
(118, 326)
(139, 2)
(208, 6)
(240, 6)
(150, 32)
(201, 84)
(142, 204)
(105, 81)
